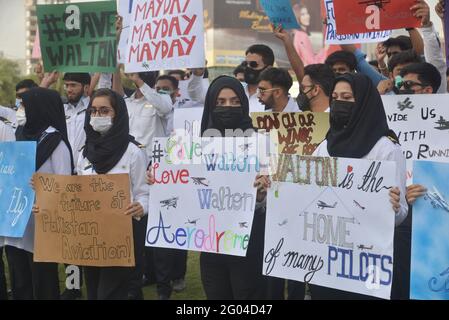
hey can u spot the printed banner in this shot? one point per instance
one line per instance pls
(203, 198)
(332, 37)
(374, 15)
(430, 236)
(332, 225)
(17, 166)
(165, 36)
(297, 133)
(421, 123)
(82, 221)
(78, 37)
(280, 12)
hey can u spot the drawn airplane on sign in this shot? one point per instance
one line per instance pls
(283, 223)
(363, 247)
(243, 224)
(200, 181)
(379, 3)
(172, 202)
(443, 124)
(192, 222)
(321, 205)
(359, 205)
(436, 199)
(406, 104)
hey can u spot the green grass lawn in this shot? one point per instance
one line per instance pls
(193, 291)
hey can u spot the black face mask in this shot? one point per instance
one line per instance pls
(341, 112)
(227, 117)
(252, 76)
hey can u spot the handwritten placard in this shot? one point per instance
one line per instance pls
(82, 221)
(206, 205)
(339, 233)
(17, 166)
(430, 236)
(78, 37)
(165, 35)
(421, 123)
(334, 37)
(374, 15)
(297, 133)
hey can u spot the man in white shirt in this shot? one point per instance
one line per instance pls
(76, 86)
(148, 110)
(273, 89)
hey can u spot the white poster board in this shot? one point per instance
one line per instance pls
(333, 225)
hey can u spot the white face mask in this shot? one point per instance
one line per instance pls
(101, 124)
(21, 118)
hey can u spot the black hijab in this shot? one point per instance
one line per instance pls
(44, 108)
(368, 122)
(105, 151)
(215, 88)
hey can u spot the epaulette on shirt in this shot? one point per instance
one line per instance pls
(393, 140)
(5, 121)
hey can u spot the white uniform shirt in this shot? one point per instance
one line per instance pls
(134, 162)
(9, 114)
(75, 117)
(386, 150)
(148, 116)
(58, 163)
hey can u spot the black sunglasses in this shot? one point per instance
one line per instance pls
(251, 64)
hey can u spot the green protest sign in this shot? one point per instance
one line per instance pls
(78, 37)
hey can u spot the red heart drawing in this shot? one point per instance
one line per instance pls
(350, 168)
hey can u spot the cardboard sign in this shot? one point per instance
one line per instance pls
(280, 12)
(332, 36)
(363, 16)
(17, 166)
(430, 236)
(297, 133)
(165, 35)
(421, 123)
(333, 225)
(78, 37)
(82, 221)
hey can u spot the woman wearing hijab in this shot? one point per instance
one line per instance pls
(359, 129)
(44, 123)
(110, 149)
(227, 277)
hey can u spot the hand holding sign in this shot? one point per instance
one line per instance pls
(421, 11)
